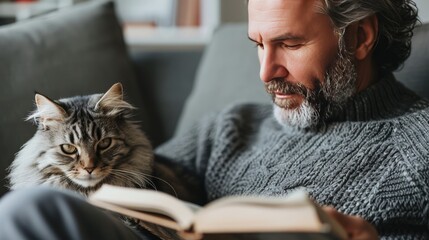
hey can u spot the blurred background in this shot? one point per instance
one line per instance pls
(172, 23)
(167, 25)
(165, 39)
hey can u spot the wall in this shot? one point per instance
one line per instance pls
(233, 11)
(423, 6)
(236, 10)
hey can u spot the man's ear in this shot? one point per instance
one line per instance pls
(367, 36)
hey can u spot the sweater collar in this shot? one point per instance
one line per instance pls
(384, 99)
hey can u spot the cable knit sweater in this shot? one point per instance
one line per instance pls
(371, 160)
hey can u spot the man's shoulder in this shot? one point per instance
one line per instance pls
(418, 115)
(411, 131)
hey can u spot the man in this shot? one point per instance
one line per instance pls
(342, 128)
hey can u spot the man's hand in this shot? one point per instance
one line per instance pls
(357, 228)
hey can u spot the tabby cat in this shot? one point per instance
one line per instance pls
(83, 142)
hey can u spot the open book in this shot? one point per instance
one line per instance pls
(240, 217)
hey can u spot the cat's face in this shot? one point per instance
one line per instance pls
(86, 148)
(83, 142)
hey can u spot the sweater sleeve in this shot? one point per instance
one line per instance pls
(411, 235)
(405, 189)
(399, 206)
(192, 149)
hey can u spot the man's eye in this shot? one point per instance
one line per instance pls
(259, 45)
(292, 46)
(68, 149)
(105, 143)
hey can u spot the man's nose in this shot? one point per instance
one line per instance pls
(273, 65)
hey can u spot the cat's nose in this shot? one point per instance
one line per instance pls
(89, 169)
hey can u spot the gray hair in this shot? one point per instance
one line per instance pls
(396, 21)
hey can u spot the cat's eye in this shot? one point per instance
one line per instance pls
(68, 149)
(105, 143)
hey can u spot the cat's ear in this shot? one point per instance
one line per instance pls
(112, 102)
(48, 112)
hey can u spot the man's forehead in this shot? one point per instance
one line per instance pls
(280, 5)
(293, 16)
(272, 10)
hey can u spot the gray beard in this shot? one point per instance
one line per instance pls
(325, 100)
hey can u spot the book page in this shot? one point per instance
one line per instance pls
(258, 218)
(297, 198)
(160, 220)
(244, 214)
(147, 201)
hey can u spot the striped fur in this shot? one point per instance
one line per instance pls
(109, 147)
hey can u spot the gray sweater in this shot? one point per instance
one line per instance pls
(371, 160)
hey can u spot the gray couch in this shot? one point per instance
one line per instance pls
(81, 51)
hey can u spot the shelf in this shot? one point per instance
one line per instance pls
(21, 11)
(143, 38)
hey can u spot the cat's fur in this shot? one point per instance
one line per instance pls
(83, 142)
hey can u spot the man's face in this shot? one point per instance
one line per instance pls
(301, 63)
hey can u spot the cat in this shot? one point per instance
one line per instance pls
(83, 142)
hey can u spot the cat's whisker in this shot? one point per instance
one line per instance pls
(86, 129)
(129, 172)
(140, 178)
(137, 175)
(137, 181)
(151, 183)
(172, 188)
(148, 177)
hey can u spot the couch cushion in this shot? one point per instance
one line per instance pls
(415, 72)
(229, 73)
(75, 51)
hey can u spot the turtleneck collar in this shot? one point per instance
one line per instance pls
(384, 99)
